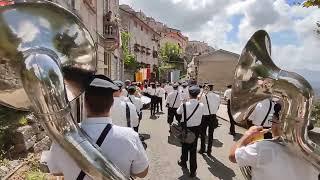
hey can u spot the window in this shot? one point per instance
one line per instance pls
(73, 4)
(107, 63)
(141, 28)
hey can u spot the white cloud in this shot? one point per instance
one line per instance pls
(210, 21)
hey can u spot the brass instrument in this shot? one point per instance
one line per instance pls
(257, 78)
(50, 55)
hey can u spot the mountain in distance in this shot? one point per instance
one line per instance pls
(313, 77)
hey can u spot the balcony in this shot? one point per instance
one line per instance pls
(136, 47)
(143, 50)
(111, 34)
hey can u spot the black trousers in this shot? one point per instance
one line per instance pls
(159, 103)
(153, 105)
(207, 122)
(191, 150)
(136, 129)
(172, 112)
(232, 122)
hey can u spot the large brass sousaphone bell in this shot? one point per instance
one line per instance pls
(48, 56)
(257, 78)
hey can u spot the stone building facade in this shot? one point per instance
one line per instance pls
(93, 14)
(143, 39)
(216, 67)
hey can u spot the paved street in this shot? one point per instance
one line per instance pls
(163, 156)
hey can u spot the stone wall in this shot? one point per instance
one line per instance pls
(30, 138)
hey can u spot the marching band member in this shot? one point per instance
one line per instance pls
(121, 145)
(194, 111)
(173, 103)
(160, 94)
(136, 102)
(211, 102)
(184, 92)
(227, 97)
(123, 113)
(152, 92)
(168, 88)
(262, 114)
(270, 159)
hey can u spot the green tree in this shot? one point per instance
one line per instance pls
(310, 3)
(129, 58)
(170, 58)
(315, 113)
(170, 53)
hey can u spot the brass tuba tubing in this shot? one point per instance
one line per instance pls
(50, 54)
(257, 78)
(43, 81)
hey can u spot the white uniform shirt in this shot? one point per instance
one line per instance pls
(118, 113)
(168, 89)
(214, 102)
(171, 97)
(122, 147)
(273, 161)
(260, 112)
(195, 120)
(151, 91)
(227, 94)
(160, 92)
(124, 92)
(184, 94)
(136, 101)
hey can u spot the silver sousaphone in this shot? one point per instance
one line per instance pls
(50, 55)
(257, 78)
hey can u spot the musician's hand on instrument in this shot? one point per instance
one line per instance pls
(252, 133)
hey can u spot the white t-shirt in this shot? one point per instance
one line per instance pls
(122, 147)
(214, 102)
(168, 89)
(160, 92)
(124, 92)
(260, 112)
(270, 160)
(227, 94)
(196, 118)
(184, 94)
(171, 97)
(136, 101)
(118, 113)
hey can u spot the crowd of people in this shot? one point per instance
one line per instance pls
(114, 113)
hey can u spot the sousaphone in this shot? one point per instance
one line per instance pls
(49, 55)
(257, 78)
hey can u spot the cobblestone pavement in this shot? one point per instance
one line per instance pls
(163, 156)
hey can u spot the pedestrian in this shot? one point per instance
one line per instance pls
(118, 144)
(160, 94)
(211, 102)
(124, 113)
(227, 97)
(262, 115)
(136, 101)
(173, 103)
(192, 112)
(184, 92)
(154, 99)
(270, 159)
